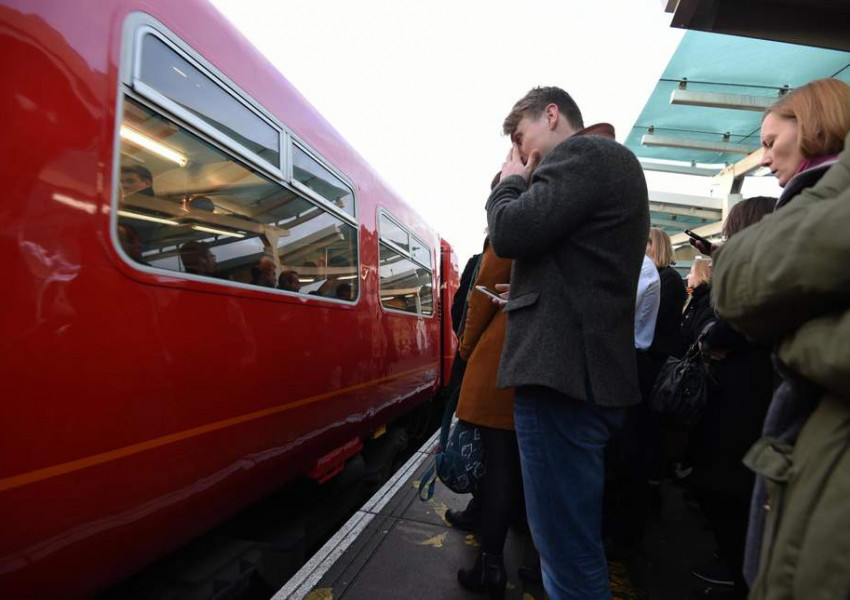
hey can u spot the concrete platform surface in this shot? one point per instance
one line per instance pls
(399, 547)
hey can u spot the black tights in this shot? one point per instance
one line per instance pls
(500, 493)
(728, 516)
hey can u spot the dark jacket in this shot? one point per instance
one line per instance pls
(743, 386)
(668, 339)
(802, 181)
(577, 233)
(697, 315)
(462, 292)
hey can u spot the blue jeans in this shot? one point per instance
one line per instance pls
(561, 443)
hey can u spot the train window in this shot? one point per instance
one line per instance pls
(310, 173)
(405, 285)
(393, 232)
(164, 70)
(420, 252)
(186, 206)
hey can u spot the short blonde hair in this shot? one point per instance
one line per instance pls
(822, 111)
(660, 248)
(702, 269)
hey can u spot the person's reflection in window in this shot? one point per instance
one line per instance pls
(136, 179)
(130, 242)
(197, 258)
(263, 273)
(288, 281)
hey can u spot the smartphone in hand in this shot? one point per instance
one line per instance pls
(488, 292)
(704, 245)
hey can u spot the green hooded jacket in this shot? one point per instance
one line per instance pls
(786, 281)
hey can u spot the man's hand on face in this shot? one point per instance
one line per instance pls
(513, 164)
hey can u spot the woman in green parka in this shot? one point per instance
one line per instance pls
(786, 281)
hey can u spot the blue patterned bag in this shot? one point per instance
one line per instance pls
(459, 461)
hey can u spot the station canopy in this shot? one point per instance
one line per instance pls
(705, 113)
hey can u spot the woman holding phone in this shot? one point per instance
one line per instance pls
(738, 401)
(490, 408)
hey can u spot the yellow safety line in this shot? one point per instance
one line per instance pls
(16, 481)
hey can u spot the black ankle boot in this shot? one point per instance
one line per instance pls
(461, 519)
(487, 575)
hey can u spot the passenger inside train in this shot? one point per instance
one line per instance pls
(136, 179)
(198, 259)
(263, 273)
(289, 281)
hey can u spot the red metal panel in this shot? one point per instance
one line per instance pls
(450, 281)
(140, 409)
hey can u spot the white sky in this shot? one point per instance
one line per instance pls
(420, 89)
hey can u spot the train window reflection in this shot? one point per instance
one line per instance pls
(167, 72)
(420, 252)
(186, 206)
(405, 285)
(391, 231)
(308, 171)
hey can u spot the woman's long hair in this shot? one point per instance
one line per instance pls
(822, 111)
(660, 248)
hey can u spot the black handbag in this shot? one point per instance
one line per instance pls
(681, 390)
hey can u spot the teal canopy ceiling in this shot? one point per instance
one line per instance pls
(729, 65)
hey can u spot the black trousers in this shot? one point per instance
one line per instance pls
(500, 491)
(727, 514)
(634, 457)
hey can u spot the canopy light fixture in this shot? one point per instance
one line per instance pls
(650, 139)
(148, 143)
(683, 169)
(716, 100)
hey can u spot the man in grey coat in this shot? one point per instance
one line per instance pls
(571, 209)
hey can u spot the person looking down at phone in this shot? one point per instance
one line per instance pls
(802, 134)
(491, 409)
(784, 282)
(571, 210)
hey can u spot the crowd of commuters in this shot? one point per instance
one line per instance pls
(559, 372)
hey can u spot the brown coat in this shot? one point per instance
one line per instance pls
(481, 402)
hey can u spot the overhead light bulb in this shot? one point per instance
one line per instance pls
(141, 217)
(148, 143)
(218, 231)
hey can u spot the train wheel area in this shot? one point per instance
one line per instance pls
(253, 554)
(396, 546)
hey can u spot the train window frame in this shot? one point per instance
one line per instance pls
(383, 212)
(125, 90)
(137, 24)
(198, 123)
(295, 143)
(388, 240)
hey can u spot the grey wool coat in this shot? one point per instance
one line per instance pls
(577, 233)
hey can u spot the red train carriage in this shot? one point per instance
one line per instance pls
(208, 292)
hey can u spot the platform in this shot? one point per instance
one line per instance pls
(397, 546)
